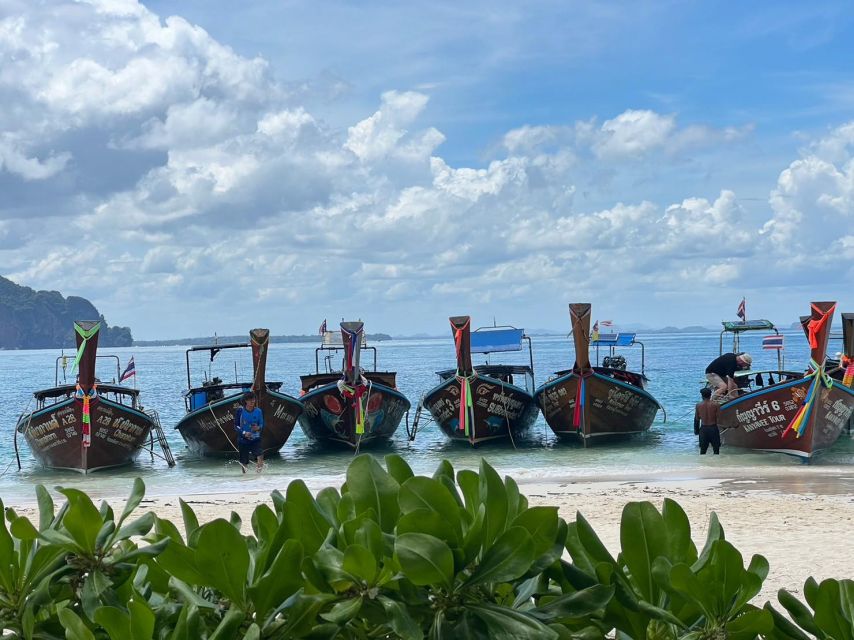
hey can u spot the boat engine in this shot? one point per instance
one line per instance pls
(614, 362)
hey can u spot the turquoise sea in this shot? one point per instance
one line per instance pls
(674, 363)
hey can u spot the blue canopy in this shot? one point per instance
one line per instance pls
(614, 340)
(494, 340)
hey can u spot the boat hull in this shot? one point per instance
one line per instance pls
(55, 434)
(209, 430)
(757, 420)
(610, 407)
(331, 420)
(500, 411)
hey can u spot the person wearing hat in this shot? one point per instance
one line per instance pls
(720, 373)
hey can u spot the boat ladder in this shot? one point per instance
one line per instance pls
(411, 432)
(156, 435)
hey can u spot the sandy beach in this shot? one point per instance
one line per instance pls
(801, 519)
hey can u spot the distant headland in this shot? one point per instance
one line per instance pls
(177, 342)
(31, 319)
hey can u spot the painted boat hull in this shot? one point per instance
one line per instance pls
(611, 407)
(330, 420)
(500, 410)
(55, 434)
(209, 430)
(757, 420)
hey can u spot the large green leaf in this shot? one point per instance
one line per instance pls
(83, 521)
(223, 559)
(493, 493)
(360, 562)
(424, 559)
(642, 538)
(425, 493)
(75, 629)
(46, 507)
(749, 625)
(137, 493)
(399, 619)
(228, 627)
(589, 540)
(430, 522)
(398, 468)
(305, 520)
(678, 530)
(371, 487)
(469, 483)
(114, 620)
(141, 619)
(508, 624)
(577, 604)
(509, 557)
(799, 612)
(834, 609)
(280, 581)
(542, 523)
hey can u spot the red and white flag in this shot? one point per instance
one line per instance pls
(742, 310)
(322, 329)
(129, 371)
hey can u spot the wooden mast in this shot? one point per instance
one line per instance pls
(86, 365)
(579, 313)
(351, 336)
(260, 341)
(848, 334)
(461, 331)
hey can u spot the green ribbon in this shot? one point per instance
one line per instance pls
(85, 335)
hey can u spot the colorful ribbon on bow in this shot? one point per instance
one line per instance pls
(580, 395)
(802, 418)
(85, 335)
(355, 394)
(87, 415)
(466, 404)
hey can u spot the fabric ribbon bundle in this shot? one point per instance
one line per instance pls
(580, 395)
(466, 405)
(355, 394)
(87, 415)
(802, 417)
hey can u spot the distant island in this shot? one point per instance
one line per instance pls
(206, 340)
(31, 319)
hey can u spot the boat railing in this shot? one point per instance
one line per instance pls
(611, 342)
(199, 397)
(63, 361)
(331, 351)
(500, 339)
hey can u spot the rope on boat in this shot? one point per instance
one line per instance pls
(29, 420)
(219, 426)
(507, 417)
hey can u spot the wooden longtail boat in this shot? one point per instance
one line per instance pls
(90, 425)
(351, 406)
(593, 401)
(208, 427)
(478, 404)
(800, 414)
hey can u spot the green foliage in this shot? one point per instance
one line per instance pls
(827, 615)
(392, 555)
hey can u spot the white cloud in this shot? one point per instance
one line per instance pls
(221, 184)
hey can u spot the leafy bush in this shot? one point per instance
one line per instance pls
(392, 555)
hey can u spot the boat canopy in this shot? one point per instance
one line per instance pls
(614, 340)
(334, 339)
(748, 325)
(496, 340)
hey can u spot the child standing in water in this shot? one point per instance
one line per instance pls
(249, 423)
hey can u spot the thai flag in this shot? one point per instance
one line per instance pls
(322, 329)
(605, 323)
(774, 342)
(129, 371)
(742, 310)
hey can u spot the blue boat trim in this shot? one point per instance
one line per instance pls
(756, 394)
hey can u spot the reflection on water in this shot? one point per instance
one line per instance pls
(675, 365)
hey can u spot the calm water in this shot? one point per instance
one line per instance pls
(674, 363)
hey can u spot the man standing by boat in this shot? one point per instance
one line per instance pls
(706, 422)
(721, 372)
(249, 423)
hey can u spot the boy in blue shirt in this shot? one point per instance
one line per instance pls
(249, 423)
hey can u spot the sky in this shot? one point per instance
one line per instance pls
(202, 166)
